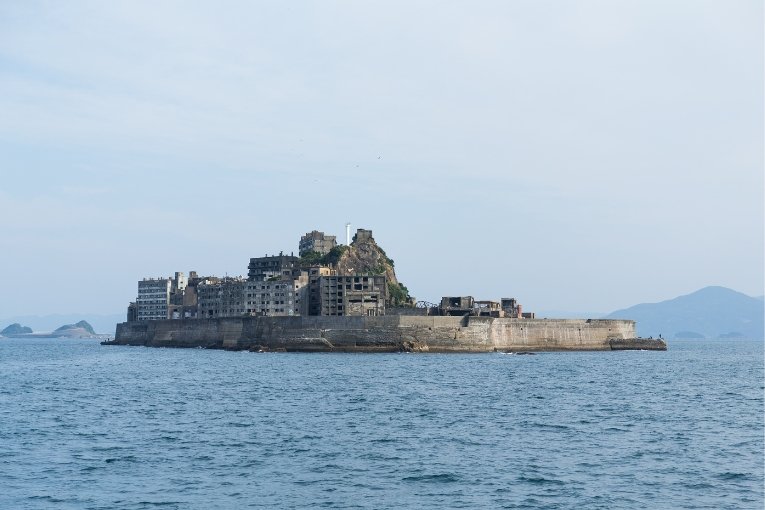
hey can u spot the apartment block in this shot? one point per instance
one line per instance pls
(313, 292)
(316, 241)
(352, 295)
(271, 266)
(222, 298)
(153, 298)
(287, 296)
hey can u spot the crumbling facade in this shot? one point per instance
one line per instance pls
(460, 305)
(156, 295)
(275, 298)
(313, 291)
(352, 295)
(271, 266)
(465, 305)
(316, 241)
(221, 298)
(280, 285)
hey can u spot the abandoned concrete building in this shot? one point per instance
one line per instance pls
(352, 295)
(362, 235)
(314, 292)
(314, 295)
(316, 241)
(277, 297)
(466, 305)
(222, 298)
(156, 295)
(461, 305)
(271, 266)
(278, 285)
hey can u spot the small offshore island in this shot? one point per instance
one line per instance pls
(80, 329)
(346, 298)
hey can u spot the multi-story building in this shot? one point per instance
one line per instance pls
(352, 295)
(314, 295)
(363, 235)
(287, 296)
(512, 308)
(316, 241)
(274, 266)
(177, 292)
(153, 298)
(224, 297)
(158, 297)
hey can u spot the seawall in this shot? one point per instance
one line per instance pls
(390, 333)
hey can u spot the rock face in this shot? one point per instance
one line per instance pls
(365, 256)
(16, 329)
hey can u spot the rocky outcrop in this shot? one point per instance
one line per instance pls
(365, 256)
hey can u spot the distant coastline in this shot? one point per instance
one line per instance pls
(81, 329)
(53, 334)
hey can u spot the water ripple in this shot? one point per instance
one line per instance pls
(93, 427)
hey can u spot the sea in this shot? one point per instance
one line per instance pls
(86, 426)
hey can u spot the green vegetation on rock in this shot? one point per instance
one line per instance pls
(333, 257)
(398, 294)
(389, 260)
(313, 258)
(363, 256)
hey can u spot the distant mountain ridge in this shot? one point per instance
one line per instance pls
(711, 312)
(105, 324)
(80, 329)
(83, 325)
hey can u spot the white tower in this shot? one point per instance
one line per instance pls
(347, 234)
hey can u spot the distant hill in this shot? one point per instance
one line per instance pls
(15, 329)
(101, 323)
(712, 312)
(81, 328)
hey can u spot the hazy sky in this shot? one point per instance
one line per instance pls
(576, 155)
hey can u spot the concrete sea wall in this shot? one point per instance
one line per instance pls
(386, 334)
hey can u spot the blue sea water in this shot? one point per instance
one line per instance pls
(105, 427)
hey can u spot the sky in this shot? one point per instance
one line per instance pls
(576, 155)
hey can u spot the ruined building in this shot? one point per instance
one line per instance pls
(358, 280)
(273, 266)
(316, 241)
(352, 295)
(157, 295)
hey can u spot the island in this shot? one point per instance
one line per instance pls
(81, 329)
(15, 329)
(346, 298)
